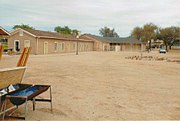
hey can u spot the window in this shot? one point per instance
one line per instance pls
(21, 33)
(61, 46)
(26, 43)
(55, 46)
(74, 46)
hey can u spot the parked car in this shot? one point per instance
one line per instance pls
(162, 50)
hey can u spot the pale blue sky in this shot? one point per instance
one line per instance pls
(89, 15)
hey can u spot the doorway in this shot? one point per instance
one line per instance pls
(16, 45)
(45, 47)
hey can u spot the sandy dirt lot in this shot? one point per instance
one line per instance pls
(104, 86)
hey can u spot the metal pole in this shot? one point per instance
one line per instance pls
(26, 109)
(34, 103)
(77, 48)
(141, 48)
(51, 99)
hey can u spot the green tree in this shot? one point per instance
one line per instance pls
(107, 32)
(169, 35)
(63, 30)
(66, 30)
(146, 33)
(75, 32)
(23, 26)
(137, 33)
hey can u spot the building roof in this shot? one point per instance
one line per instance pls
(3, 31)
(40, 33)
(49, 35)
(125, 40)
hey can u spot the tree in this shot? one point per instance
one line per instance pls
(169, 35)
(23, 26)
(63, 30)
(107, 32)
(66, 30)
(137, 33)
(146, 33)
(75, 32)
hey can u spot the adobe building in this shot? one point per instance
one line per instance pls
(4, 34)
(115, 44)
(43, 42)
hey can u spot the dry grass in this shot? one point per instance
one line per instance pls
(104, 85)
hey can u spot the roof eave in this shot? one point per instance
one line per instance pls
(16, 30)
(63, 38)
(5, 30)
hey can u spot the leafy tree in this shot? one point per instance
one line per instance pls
(75, 32)
(137, 33)
(149, 33)
(146, 33)
(169, 35)
(23, 26)
(63, 30)
(107, 32)
(66, 30)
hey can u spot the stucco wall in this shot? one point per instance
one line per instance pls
(128, 47)
(68, 46)
(21, 39)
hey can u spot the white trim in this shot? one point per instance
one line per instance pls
(83, 40)
(21, 33)
(61, 44)
(15, 45)
(44, 47)
(56, 47)
(4, 30)
(29, 43)
(15, 68)
(17, 30)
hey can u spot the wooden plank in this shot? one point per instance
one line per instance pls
(1, 51)
(24, 57)
(27, 56)
(11, 76)
(21, 57)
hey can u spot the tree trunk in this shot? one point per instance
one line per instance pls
(166, 47)
(170, 47)
(150, 45)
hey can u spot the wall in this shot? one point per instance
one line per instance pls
(21, 40)
(126, 47)
(63, 46)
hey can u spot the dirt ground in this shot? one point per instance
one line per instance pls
(104, 86)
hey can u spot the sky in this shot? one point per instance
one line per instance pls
(89, 16)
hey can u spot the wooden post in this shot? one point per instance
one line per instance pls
(1, 51)
(24, 57)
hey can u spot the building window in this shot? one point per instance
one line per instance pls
(74, 46)
(26, 43)
(61, 46)
(21, 33)
(55, 46)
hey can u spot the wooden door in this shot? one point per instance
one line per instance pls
(45, 47)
